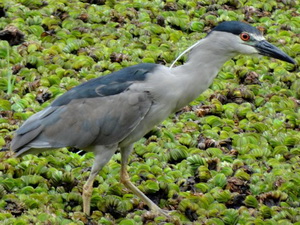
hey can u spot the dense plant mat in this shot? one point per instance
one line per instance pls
(230, 157)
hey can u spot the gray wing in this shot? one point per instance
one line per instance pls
(83, 122)
(101, 111)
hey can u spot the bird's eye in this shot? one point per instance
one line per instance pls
(245, 36)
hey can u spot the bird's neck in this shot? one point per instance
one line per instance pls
(197, 74)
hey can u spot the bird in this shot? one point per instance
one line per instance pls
(112, 112)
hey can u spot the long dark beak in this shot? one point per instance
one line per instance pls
(267, 49)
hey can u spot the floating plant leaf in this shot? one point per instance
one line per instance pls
(186, 139)
(219, 180)
(125, 206)
(241, 174)
(265, 211)
(2, 191)
(197, 26)
(231, 217)
(214, 152)
(2, 141)
(196, 161)
(251, 201)
(222, 196)
(5, 104)
(36, 30)
(281, 149)
(150, 186)
(291, 140)
(214, 221)
(9, 184)
(178, 154)
(213, 121)
(253, 104)
(203, 173)
(127, 222)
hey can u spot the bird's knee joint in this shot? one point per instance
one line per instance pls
(87, 191)
(124, 179)
(86, 195)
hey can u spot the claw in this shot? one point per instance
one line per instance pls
(156, 211)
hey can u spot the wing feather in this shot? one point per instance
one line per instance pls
(84, 122)
(101, 111)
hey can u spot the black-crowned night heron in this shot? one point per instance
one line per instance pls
(114, 111)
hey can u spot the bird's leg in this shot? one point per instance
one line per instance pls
(87, 191)
(125, 152)
(102, 156)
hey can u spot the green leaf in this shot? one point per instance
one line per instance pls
(197, 26)
(178, 154)
(251, 201)
(219, 180)
(231, 217)
(37, 30)
(214, 121)
(151, 186)
(5, 104)
(127, 222)
(196, 161)
(222, 196)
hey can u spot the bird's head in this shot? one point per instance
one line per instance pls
(241, 38)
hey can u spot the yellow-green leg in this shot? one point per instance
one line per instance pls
(102, 155)
(125, 152)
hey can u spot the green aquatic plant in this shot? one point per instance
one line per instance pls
(230, 157)
(7, 79)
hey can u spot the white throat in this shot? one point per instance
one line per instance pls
(204, 62)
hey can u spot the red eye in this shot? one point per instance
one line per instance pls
(245, 36)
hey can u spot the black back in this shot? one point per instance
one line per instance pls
(110, 84)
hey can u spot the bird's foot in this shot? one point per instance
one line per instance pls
(156, 211)
(161, 212)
